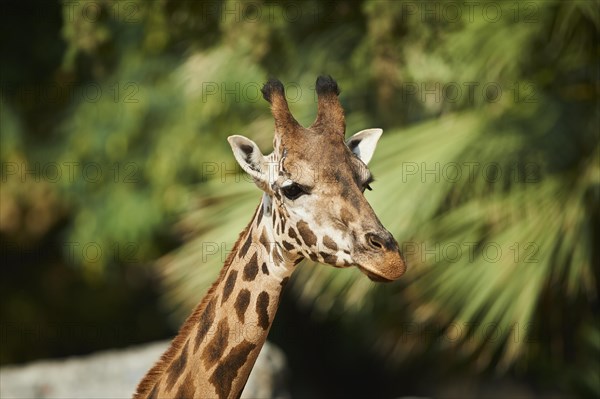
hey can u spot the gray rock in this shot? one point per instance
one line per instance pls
(116, 373)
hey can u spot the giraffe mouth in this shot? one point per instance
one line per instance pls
(373, 276)
(385, 270)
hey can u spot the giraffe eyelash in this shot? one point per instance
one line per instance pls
(367, 183)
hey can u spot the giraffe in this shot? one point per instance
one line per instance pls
(312, 206)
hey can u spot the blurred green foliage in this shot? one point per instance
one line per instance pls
(490, 117)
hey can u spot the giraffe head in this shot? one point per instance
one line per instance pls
(314, 183)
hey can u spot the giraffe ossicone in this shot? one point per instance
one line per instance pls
(312, 207)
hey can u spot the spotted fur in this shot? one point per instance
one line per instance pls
(262, 309)
(177, 366)
(227, 370)
(215, 348)
(205, 322)
(229, 284)
(306, 233)
(251, 268)
(241, 304)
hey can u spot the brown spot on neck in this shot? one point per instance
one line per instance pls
(262, 309)
(229, 284)
(215, 348)
(187, 390)
(206, 320)
(177, 367)
(251, 269)
(288, 246)
(292, 234)
(227, 370)
(241, 304)
(246, 246)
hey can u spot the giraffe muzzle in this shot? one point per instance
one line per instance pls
(382, 261)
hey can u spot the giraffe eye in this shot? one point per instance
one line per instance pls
(293, 191)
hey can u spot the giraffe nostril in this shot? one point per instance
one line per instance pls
(375, 241)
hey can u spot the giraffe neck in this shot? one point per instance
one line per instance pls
(216, 348)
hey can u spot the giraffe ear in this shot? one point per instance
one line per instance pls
(249, 156)
(363, 143)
